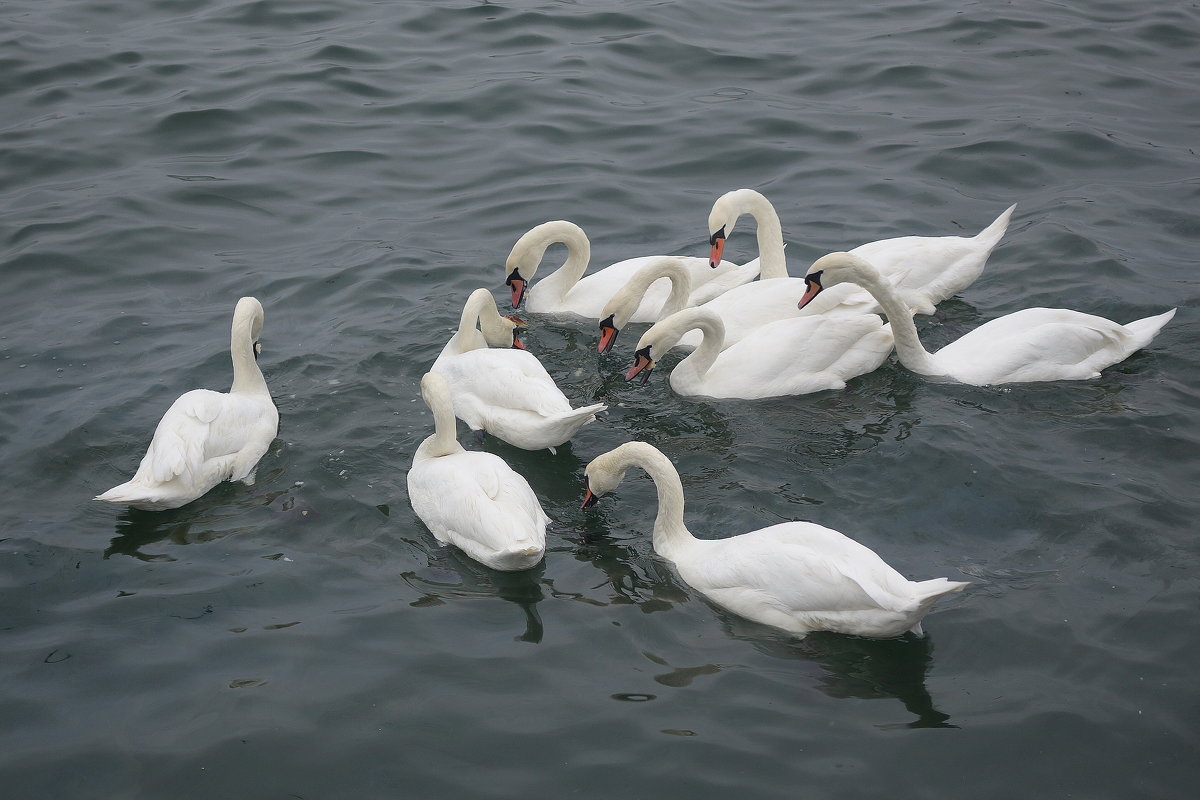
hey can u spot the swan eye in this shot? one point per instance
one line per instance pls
(515, 275)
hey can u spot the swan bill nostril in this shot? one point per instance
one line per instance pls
(812, 289)
(717, 241)
(517, 284)
(608, 335)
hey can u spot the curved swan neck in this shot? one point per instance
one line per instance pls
(769, 233)
(909, 349)
(529, 250)
(669, 530)
(436, 394)
(671, 329)
(479, 304)
(626, 300)
(247, 324)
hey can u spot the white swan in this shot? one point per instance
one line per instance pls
(568, 291)
(924, 269)
(789, 356)
(506, 392)
(473, 500)
(797, 576)
(207, 437)
(1036, 344)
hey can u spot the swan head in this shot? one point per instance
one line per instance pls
(600, 477)
(525, 256)
(248, 315)
(724, 215)
(830, 270)
(435, 391)
(642, 363)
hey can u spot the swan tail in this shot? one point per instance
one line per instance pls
(139, 495)
(586, 411)
(927, 592)
(1144, 330)
(990, 236)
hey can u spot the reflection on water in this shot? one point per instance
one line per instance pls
(856, 667)
(451, 575)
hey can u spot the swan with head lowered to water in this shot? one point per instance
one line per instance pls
(504, 390)
(473, 500)
(785, 357)
(1035, 344)
(568, 291)
(797, 576)
(207, 437)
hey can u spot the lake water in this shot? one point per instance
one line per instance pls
(360, 167)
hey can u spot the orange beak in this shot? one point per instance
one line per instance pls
(517, 284)
(641, 361)
(812, 289)
(717, 242)
(608, 335)
(589, 499)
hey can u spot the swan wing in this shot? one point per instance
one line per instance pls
(1037, 344)
(803, 568)
(477, 502)
(204, 427)
(509, 379)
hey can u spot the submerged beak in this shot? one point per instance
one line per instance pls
(589, 499)
(608, 334)
(812, 282)
(517, 284)
(641, 361)
(717, 242)
(517, 343)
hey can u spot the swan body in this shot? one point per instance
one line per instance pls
(786, 357)
(796, 576)
(924, 269)
(568, 291)
(1035, 344)
(207, 437)
(473, 500)
(505, 392)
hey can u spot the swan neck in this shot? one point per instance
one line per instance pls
(579, 253)
(909, 349)
(713, 331)
(669, 529)
(247, 377)
(770, 238)
(468, 337)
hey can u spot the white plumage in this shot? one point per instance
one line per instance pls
(1035, 344)
(797, 576)
(207, 437)
(785, 357)
(568, 291)
(506, 392)
(473, 500)
(924, 269)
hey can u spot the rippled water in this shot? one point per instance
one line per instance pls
(360, 168)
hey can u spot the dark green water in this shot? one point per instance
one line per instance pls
(360, 168)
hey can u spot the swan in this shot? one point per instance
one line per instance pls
(797, 576)
(568, 291)
(207, 437)
(506, 392)
(473, 500)
(789, 356)
(1035, 344)
(924, 269)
